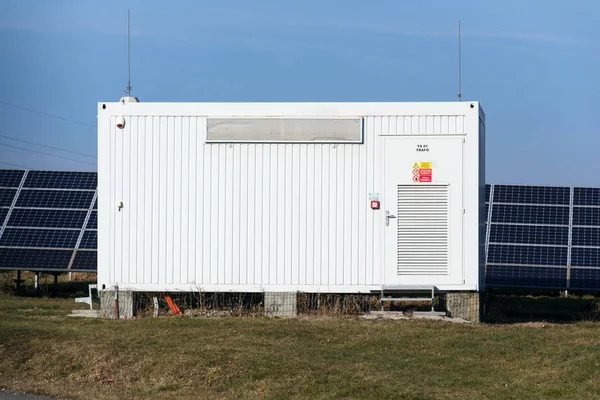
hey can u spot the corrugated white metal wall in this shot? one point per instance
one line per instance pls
(420, 125)
(239, 214)
(242, 216)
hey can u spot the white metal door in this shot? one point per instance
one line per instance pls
(423, 206)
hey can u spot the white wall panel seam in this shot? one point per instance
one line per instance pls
(196, 241)
(154, 182)
(110, 207)
(156, 169)
(131, 206)
(239, 225)
(295, 216)
(191, 204)
(221, 211)
(185, 211)
(121, 216)
(257, 217)
(163, 205)
(243, 254)
(326, 219)
(177, 196)
(370, 272)
(142, 203)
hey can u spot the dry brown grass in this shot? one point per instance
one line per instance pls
(43, 351)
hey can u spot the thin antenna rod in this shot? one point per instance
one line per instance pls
(459, 66)
(128, 90)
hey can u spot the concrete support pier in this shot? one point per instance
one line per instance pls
(108, 301)
(465, 305)
(280, 304)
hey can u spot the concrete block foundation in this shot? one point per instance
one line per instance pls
(108, 307)
(280, 304)
(465, 305)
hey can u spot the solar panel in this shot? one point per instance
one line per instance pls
(44, 238)
(43, 228)
(589, 216)
(92, 221)
(534, 227)
(532, 194)
(3, 214)
(586, 197)
(46, 218)
(11, 177)
(34, 259)
(527, 255)
(85, 260)
(529, 234)
(55, 198)
(585, 257)
(7, 196)
(61, 180)
(537, 277)
(583, 236)
(89, 240)
(585, 278)
(528, 214)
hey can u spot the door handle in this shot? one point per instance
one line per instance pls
(387, 217)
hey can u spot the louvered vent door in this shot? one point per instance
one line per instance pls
(423, 230)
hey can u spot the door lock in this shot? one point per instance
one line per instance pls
(387, 217)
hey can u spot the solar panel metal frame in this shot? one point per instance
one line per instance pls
(59, 177)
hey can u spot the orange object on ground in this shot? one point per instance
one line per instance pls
(174, 309)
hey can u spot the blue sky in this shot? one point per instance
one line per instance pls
(533, 64)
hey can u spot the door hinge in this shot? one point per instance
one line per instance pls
(463, 211)
(464, 140)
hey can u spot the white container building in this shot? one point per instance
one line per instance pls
(287, 197)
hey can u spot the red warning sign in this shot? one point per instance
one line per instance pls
(425, 175)
(423, 171)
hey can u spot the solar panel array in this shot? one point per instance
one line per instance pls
(540, 236)
(537, 236)
(48, 220)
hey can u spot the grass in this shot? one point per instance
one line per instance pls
(75, 286)
(43, 351)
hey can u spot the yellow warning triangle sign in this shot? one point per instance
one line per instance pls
(416, 166)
